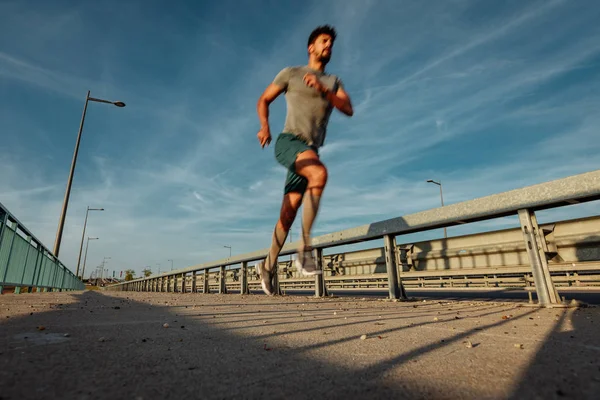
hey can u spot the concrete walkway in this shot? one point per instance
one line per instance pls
(105, 345)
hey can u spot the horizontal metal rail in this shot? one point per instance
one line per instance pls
(522, 202)
(565, 275)
(26, 263)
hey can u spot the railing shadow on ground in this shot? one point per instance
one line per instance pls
(570, 353)
(141, 359)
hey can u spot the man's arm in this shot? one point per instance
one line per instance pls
(340, 100)
(262, 108)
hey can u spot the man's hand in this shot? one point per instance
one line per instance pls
(262, 107)
(312, 81)
(339, 99)
(264, 136)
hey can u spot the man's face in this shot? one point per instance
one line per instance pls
(322, 47)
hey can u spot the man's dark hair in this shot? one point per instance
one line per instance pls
(322, 30)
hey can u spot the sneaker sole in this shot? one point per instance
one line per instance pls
(264, 288)
(305, 272)
(263, 272)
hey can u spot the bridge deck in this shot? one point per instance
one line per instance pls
(232, 346)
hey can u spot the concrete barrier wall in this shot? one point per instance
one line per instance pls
(575, 241)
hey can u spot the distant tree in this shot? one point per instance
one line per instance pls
(129, 274)
(147, 272)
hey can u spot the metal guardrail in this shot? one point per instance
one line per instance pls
(26, 263)
(522, 202)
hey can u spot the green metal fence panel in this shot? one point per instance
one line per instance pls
(5, 248)
(38, 268)
(17, 261)
(25, 262)
(54, 275)
(29, 270)
(46, 272)
(60, 281)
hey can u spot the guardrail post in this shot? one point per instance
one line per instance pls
(320, 287)
(37, 266)
(390, 266)
(244, 278)
(275, 281)
(222, 286)
(205, 287)
(399, 269)
(3, 227)
(544, 287)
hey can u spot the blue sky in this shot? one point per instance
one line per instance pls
(486, 96)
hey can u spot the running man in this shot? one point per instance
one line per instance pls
(311, 94)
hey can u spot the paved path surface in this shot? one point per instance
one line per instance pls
(104, 345)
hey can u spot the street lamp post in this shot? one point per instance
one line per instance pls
(83, 235)
(441, 197)
(228, 247)
(103, 264)
(171, 264)
(85, 258)
(63, 213)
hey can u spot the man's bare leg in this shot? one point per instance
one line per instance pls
(287, 215)
(289, 208)
(309, 166)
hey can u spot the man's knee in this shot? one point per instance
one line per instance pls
(317, 177)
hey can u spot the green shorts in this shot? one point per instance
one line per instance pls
(287, 148)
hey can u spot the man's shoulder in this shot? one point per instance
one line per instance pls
(295, 69)
(303, 69)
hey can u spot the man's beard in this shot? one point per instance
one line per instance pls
(324, 58)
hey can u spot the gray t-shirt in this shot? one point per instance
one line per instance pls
(308, 110)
